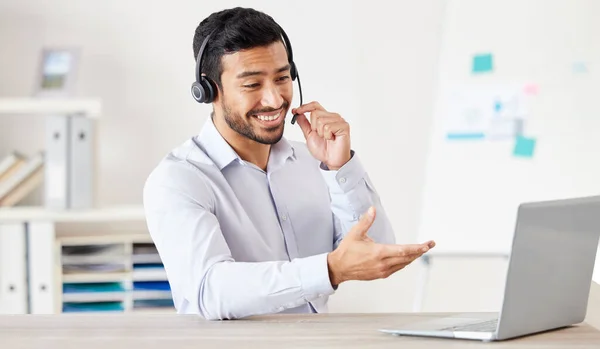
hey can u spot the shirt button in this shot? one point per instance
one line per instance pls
(343, 180)
(284, 217)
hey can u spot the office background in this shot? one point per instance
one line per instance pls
(377, 63)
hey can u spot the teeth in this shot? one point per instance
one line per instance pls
(268, 117)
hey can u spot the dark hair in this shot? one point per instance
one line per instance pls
(233, 30)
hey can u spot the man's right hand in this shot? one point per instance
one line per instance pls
(359, 258)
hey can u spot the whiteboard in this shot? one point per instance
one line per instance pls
(547, 54)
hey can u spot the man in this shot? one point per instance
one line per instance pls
(247, 222)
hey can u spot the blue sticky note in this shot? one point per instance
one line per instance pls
(465, 136)
(524, 147)
(498, 106)
(483, 63)
(580, 67)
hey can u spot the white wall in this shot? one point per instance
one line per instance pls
(371, 62)
(473, 188)
(137, 56)
(374, 62)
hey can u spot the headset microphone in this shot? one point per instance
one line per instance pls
(300, 89)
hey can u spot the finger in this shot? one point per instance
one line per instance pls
(430, 244)
(304, 125)
(320, 118)
(392, 261)
(359, 230)
(307, 108)
(403, 250)
(317, 117)
(331, 130)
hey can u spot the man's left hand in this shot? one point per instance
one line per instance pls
(327, 134)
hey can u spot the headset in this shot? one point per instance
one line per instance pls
(204, 90)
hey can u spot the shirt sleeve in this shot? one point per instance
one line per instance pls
(204, 277)
(352, 193)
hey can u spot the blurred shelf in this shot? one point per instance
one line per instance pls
(146, 258)
(95, 277)
(87, 297)
(156, 310)
(106, 237)
(107, 258)
(149, 275)
(138, 295)
(88, 107)
(106, 214)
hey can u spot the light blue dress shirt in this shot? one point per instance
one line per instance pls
(238, 241)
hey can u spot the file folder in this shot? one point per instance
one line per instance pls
(13, 274)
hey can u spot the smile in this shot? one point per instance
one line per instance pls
(270, 119)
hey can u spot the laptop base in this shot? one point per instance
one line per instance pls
(482, 336)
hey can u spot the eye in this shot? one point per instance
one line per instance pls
(283, 78)
(251, 85)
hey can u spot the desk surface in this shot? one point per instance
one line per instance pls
(162, 331)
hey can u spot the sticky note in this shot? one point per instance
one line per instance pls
(465, 136)
(483, 63)
(531, 89)
(498, 106)
(580, 67)
(524, 147)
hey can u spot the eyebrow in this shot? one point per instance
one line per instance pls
(253, 73)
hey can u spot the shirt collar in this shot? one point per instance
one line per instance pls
(222, 154)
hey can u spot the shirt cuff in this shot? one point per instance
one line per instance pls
(314, 276)
(346, 178)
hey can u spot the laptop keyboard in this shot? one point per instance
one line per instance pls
(484, 326)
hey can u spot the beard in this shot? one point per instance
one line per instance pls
(244, 127)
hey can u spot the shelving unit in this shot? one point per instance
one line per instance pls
(91, 260)
(16, 257)
(102, 273)
(69, 260)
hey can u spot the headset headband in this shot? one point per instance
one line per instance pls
(200, 55)
(286, 41)
(288, 45)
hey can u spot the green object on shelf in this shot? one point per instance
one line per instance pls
(91, 307)
(92, 287)
(152, 303)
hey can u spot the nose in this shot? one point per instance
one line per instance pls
(271, 96)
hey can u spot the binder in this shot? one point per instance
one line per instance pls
(70, 160)
(56, 169)
(42, 267)
(13, 267)
(80, 191)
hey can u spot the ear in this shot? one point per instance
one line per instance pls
(218, 92)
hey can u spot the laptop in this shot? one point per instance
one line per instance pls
(548, 279)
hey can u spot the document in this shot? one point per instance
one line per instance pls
(493, 112)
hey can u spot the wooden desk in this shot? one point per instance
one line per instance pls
(149, 331)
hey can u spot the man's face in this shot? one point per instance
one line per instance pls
(257, 90)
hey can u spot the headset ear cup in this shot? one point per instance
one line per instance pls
(210, 90)
(198, 92)
(293, 71)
